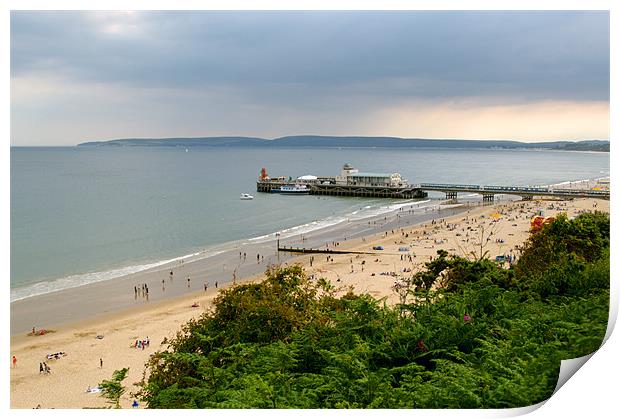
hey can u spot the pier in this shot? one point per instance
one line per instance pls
(390, 185)
(451, 190)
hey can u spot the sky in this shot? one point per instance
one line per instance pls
(93, 75)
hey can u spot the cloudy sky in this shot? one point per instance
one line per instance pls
(530, 76)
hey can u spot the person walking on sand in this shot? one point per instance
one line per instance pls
(171, 275)
(40, 367)
(215, 284)
(14, 361)
(188, 282)
(100, 362)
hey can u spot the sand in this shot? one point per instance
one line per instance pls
(505, 224)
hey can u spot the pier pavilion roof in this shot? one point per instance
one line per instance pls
(369, 174)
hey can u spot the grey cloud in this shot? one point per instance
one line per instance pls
(288, 56)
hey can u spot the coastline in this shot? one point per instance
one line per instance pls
(162, 319)
(218, 263)
(66, 306)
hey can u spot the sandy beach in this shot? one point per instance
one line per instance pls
(110, 337)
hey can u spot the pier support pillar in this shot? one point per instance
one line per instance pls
(451, 195)
(487, 197)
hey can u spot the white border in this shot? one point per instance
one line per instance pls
(593, 389)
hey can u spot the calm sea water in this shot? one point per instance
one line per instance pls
(85, 214)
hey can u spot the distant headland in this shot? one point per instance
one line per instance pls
(348, 142)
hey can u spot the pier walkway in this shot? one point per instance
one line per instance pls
(526, 192)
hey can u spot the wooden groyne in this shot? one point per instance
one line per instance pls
(328, 251)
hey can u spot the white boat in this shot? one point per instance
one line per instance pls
(295, 189)
(246, 196)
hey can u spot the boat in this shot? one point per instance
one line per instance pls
(246, 197)
(295, 189)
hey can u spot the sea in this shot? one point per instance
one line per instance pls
(87, 214)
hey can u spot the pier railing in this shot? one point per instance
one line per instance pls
(525, 191)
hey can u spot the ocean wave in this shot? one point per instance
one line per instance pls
(570, 182)
(363, 213)
(299, 229)
(78, 280)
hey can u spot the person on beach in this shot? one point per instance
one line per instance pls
(244, 256)
(215, 284)
(163, 285)
(188, 282)
(206, 284)
(40, 367)
(100, 362)
(257, 258)
(14, 361)
(171, 275)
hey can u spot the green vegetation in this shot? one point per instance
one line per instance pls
(113, 389)
(482, 337)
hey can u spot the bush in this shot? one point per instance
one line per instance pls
(489, 337)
